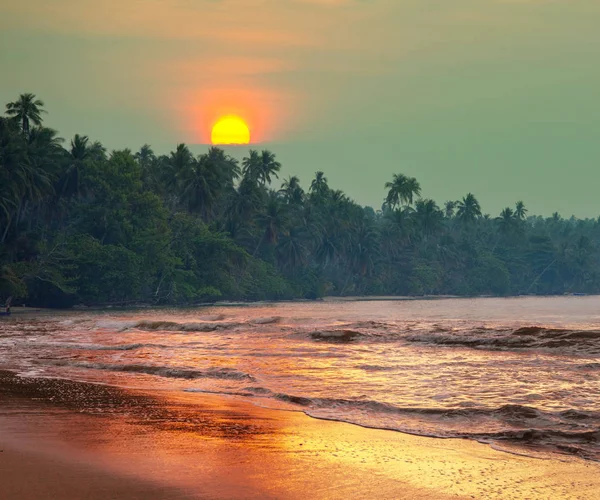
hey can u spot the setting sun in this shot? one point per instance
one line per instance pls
(230, 130)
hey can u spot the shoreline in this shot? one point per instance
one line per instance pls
(18, 310)
(211, 446)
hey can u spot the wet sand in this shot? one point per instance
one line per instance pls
(72, 440)
(32, 475)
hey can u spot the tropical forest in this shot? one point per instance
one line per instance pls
(84, 226)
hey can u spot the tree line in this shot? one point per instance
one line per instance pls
(81, 225)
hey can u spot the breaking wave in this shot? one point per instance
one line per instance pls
(341, 335)
(530, 337)
(570, 431)
(204, 324)
(172, 326)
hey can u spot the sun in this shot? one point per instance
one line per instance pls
(230, 130)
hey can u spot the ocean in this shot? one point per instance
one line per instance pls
(522, 374)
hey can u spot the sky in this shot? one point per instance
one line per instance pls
(500, 98)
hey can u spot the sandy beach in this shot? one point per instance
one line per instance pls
(167, 445)
(29, 474)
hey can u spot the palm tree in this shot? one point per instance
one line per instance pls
(520, 210)
(14, 166)
(339, 197)
(327, 249)
(29, 165)
(181, 158)
(173, 171)
(291, 249)
(150, 168)
(428, 216)
(199, 186)
(468, 209)
(400, 223)
(45, 157)
(25, 110)
(260, 167)
(363, 246)
(145, 156)
(272, 221)
(449, 208)
(402, 189)
(242, 205)
(292, 191)
(79, 152)
(225, 166)
(506, 221)
(319, 188)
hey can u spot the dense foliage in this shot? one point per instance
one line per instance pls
(81, 225)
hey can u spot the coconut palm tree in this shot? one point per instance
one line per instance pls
(181, 158)
(402, 189)
(319, 189)
(29, 166)
(14, 178)
(468, 209)
(173, 173)
(272, 221)
(363, 246)
(428, 216)
(151, 173)
(25, 110)
(145, 157)
(291, 191)
(506, 221)
(399, 224)
(449, 208)
(46, 156)
(224, 165)
(292, 250)
(520, 210)
(80, 151)
(260, 166)
(199, 186)
(241, 206)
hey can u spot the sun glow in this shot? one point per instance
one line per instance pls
(230, 130)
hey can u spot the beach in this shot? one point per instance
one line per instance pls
(471, 399)
(169, 445)
(31, 475)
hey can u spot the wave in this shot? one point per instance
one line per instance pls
(574, 341)
(569, 431)
(200, 326)
(96, 347)
(265, 321)
(173, 326)
(163, 371)
(341, 335)
(530, 337)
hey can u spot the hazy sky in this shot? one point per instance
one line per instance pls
(497, 97)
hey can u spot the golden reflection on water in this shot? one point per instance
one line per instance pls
(230, 449)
